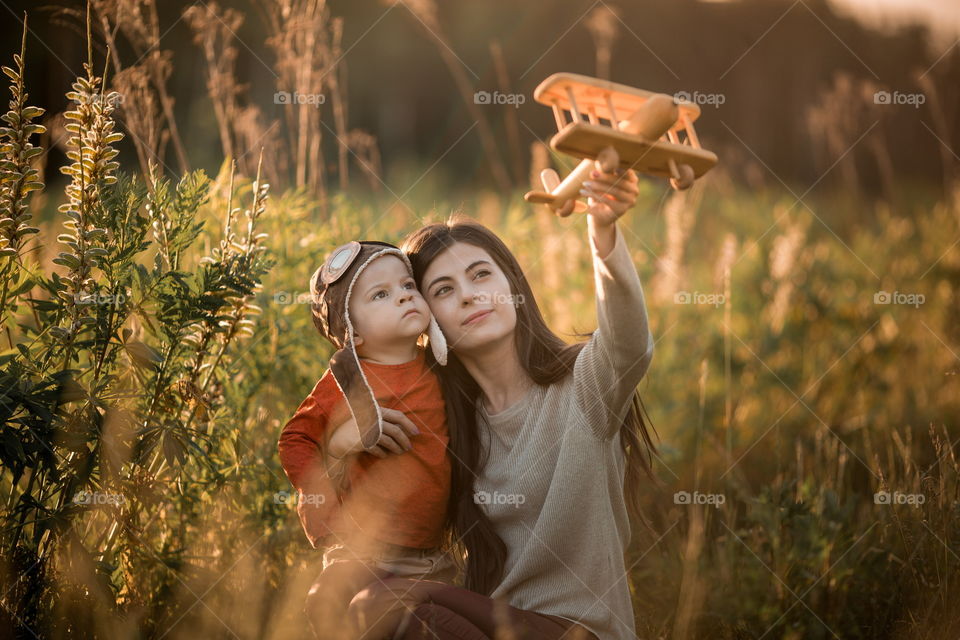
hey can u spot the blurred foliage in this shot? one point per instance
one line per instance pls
(771, 60)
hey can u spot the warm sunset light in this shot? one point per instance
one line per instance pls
(489, 320)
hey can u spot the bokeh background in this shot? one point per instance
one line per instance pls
(803, 294)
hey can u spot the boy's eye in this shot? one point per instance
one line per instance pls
(379, 294)
(410, 285)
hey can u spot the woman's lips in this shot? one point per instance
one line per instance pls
(477, 317)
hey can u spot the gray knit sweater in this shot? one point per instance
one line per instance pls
(553, 481)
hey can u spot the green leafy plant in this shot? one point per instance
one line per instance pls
(112, 388)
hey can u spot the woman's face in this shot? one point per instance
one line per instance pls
(470, 297)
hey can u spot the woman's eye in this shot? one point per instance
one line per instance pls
(440, 290)
(481, 273)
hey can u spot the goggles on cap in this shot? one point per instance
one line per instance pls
(342, 257)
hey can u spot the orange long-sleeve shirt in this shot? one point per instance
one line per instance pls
(400, 499)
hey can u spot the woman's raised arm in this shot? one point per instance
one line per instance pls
(616, 358)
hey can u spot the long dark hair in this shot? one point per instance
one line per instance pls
(547, 359)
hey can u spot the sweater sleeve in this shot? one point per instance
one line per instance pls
(618, 354)
(301, 447)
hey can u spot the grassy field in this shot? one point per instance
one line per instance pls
(779, 384)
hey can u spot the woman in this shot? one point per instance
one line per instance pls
(545, 486)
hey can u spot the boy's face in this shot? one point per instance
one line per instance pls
(386, 308)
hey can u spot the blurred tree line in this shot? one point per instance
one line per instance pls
(797, 81)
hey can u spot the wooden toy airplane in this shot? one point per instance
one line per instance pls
(646, 139)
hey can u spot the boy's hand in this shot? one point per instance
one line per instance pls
(345, 440)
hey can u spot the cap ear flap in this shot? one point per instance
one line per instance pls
(364, 408)
(438, 342)
(345, 363)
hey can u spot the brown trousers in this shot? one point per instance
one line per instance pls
(407, 609)
(404, 594)
(346, 572)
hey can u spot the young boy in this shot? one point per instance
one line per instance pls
(376, 515)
